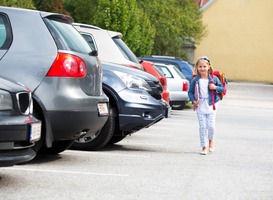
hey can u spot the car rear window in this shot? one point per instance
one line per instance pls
(5, 33)
(165, 70)
(179, 72)
(125, 50)
(67, 37)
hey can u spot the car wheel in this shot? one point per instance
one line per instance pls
(57, 147)
(101, 138)
(116, 139)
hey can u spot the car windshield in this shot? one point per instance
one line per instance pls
(67, 37)
(125, 50)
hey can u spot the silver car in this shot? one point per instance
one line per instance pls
(50, 57)
(178, 85)
(109, 44)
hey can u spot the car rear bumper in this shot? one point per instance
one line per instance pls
(179, 96)
(69, 112)
(70, 125)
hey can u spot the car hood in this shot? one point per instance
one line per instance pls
(10, 85)
(142, 74)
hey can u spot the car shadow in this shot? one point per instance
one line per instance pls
(42, 158)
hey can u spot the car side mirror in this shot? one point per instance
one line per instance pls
(93, 53)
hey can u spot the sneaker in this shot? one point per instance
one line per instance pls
(204, 152)
(211, 149)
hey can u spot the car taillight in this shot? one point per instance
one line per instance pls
(185, 87)
(68, 65)
(163, 81)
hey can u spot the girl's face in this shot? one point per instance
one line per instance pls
(203, 67)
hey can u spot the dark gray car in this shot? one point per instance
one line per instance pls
(135, 103)
(44, 52)
(19, 130)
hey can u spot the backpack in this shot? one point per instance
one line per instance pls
(223, 79)
(221, 76)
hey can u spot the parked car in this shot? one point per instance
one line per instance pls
(151, 69)
(109, 45)
(19, 130)
(178, 85)
(113, 49)
(50, 57)
(135, 103)
(183, 66)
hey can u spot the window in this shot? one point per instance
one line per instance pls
(67, 37)
(165, 70)
(125, 50)
(5, 33)
(90, 41)
(179, 72)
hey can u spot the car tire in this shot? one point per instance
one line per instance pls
(116, 139)
(101, 138)
(178, 105)
(57, 147)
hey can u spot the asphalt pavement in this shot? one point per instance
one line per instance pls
(163, 161)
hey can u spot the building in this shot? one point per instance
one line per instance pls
(239, 39)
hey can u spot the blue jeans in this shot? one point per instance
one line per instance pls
(206, 127)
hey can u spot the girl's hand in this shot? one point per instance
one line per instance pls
(195, 105)
(212, 86)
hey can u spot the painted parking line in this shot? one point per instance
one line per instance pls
(104, 153)
(62, 171)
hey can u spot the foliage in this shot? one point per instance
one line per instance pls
(18, 3)
(177, 22)
(117, 15)
(55, 6)
(148, 26)
(82, 11)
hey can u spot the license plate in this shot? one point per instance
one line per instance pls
(35, 131)
(103, 109)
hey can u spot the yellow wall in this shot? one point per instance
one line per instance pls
(239, 41)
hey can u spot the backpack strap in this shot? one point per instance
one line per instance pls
(212, 93)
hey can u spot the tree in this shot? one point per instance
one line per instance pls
(82, 11)
(117, 15)
(176, 22)
(55, 6)
(18, 3)
(121, 16)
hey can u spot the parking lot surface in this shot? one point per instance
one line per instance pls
(163, 161)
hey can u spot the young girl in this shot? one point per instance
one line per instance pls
(203, 94)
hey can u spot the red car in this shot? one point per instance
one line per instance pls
(149, 67)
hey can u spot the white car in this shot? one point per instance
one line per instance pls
(178, 85)
(109, 45)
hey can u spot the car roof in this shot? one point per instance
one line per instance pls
(43, 14)
(108, 50)
(111, 33)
